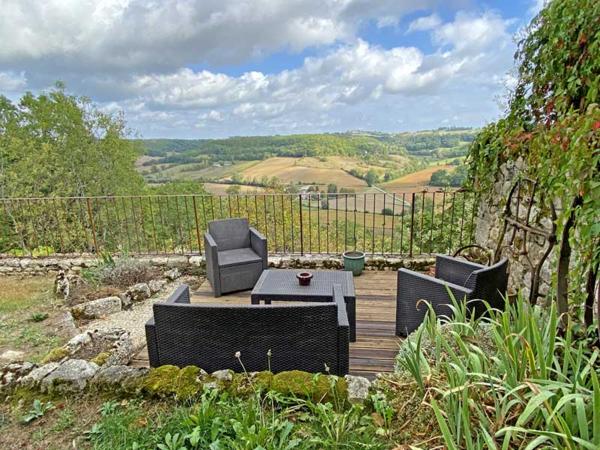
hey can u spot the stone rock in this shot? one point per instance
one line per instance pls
(72, 375)
(33, 378)
(10, 356)
(119, 375)
(196, 260)
(78, 341)
(12, 374)
(97, 309)
(139, 292)
(156, 285)
(172, 274)
(110, 346)
(223, 375)
(65, 283)
(358, 388)
(126, 302)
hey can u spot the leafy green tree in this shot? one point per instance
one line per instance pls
(56, 144)
(371, 177)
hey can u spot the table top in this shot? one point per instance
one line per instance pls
(283, 282)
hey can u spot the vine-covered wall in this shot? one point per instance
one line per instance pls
(489, 229)
(552, 132)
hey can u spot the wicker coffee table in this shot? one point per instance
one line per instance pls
(281, 284)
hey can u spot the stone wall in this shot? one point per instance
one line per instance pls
(35, 266)
(489, 225)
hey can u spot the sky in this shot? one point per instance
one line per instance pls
(218, 68)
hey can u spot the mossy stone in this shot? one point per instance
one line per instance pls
(160, 380)
(187, 384)
(56, 354)
(101, 358)
(244, 384)
(172, 381)
(317, 387)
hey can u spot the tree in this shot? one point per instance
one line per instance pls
(56, 144)
(371, 177)
(332, 188)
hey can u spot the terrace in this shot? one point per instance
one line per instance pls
(303, 230)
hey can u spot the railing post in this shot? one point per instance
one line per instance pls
(301, 225)
(197, 225)
(412, 225)
(92, 223)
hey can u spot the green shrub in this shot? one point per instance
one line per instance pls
(121, 272)
(39, 316)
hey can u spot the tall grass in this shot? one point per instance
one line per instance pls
(508, 380)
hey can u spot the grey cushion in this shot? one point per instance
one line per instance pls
(230, 233)
(238, 257)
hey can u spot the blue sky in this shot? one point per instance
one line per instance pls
(207, 68)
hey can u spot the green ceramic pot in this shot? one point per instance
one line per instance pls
(354, 262)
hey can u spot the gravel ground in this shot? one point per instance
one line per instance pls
(134, 319)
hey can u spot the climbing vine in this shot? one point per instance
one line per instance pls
(553, 125)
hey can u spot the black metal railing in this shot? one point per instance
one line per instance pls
(409, 224)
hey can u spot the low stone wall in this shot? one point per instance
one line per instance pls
(36, 266)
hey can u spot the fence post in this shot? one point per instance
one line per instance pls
(412, 225)
(92, 223)
(197, 225)
(301, 225)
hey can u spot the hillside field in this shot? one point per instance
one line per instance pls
(414, 181)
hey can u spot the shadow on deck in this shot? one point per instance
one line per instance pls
(376, 345)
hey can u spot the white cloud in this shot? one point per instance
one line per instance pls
(471, 32)
(424, 23)
(141, 35)
(12, 82)
(140, 56)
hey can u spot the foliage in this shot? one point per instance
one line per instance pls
(119, 272)
(441, 143)
(56, 144)
(553, 124)
(219, 421)
(506, 381)
(39, 316)
(445, 178)
(38, 410)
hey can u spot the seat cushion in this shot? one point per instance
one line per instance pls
(237, 257)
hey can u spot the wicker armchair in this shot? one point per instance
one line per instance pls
(302, 336)
(465, 280)
(236, 255)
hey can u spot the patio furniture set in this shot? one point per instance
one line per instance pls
(309, 327)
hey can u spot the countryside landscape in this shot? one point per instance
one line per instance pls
(352, 162)
(300, 225)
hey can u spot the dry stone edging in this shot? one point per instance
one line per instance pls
(97, 309)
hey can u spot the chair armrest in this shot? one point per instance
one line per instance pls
(152, 343)
(211, 254)
(414, 287)
(338, 298)
(259, 244)
(454, 270)
(180, 295)
(343, 332)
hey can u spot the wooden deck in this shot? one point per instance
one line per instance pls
(376, 345)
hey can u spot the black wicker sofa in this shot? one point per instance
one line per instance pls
(313, 337)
